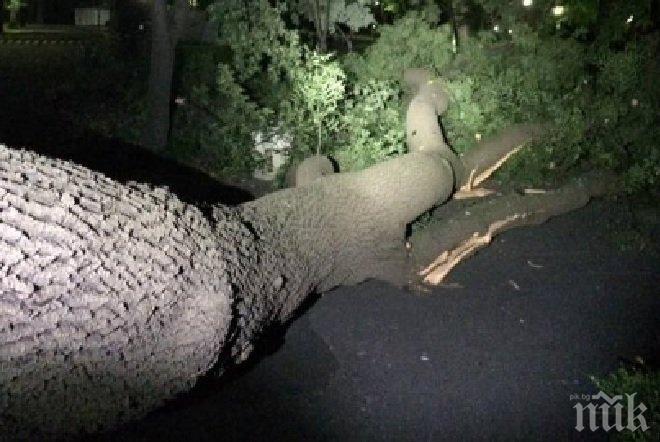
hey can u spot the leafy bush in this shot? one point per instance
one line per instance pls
(409, 42)
(527, 78)
(213, 125)
(317, 91)
(371, 125)
(294, 89)
(590, 93)
(626, 114)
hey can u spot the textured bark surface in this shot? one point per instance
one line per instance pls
(112, 298)
(348, 227)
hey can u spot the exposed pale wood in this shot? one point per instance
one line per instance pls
(463, 227)
(473, 193)
(535, 191)
(474, 181)
(436, 272)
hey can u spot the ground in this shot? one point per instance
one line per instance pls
(480, 361)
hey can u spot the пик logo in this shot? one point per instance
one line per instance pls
(611, 409)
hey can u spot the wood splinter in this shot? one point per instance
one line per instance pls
(435, 272)
(474, 181)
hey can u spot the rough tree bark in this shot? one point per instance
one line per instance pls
(115, 298)
(166, 30)
(320, 13)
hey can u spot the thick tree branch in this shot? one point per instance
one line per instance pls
(487, 156)
(464, 227)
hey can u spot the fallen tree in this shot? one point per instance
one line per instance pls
(115, 298)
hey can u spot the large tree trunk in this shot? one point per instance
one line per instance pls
(320, 12)
(13, 18)
(39, 11)
(114, 298)
(166, 30)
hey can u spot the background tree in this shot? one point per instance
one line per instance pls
(39, 11)
(14, 8)
(328, 16)
(167, 27)
(319, 87)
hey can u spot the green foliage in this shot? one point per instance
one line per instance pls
(646, 386)
(263, 49)
(317, 89)
(626, 112)
(213, 126)
(230, 94)
(590, 94)
(409, 42)
(354, 14)
(494, 85)
(371, 126)
(599, 98)
(272, 80)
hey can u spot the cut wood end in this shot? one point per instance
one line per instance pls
(436, 262)
(473, 193)
(534, 191)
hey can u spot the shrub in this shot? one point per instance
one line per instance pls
(409, 42)
(371, 125)
(214, 122)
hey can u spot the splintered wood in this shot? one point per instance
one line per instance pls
(474, 181)
(435, 272)
(479, 192)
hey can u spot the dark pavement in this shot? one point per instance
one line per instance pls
(482, 361)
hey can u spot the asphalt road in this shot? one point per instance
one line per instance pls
(495, 358)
